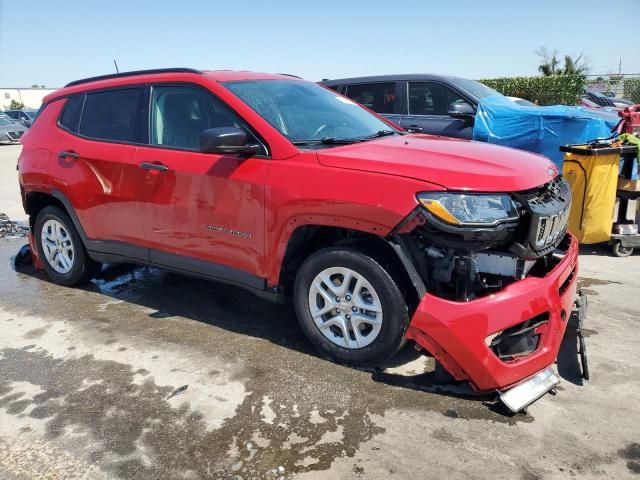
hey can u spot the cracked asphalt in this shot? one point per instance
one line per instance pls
(91, 377)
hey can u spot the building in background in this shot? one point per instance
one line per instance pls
(30, 97)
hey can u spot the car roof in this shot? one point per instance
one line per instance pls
(389, 78)
(164, 74)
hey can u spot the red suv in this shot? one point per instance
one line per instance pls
(286, 188)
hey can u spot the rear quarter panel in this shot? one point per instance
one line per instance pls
(39, 150)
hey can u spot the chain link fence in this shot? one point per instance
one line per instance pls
(625, 85)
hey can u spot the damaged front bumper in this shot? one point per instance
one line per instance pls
(462, 335)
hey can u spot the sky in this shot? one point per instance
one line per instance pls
(51, 42)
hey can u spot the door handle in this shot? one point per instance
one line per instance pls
(69, 154)
(154, 166)
(413, 129)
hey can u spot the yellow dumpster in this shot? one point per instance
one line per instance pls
(593, 175)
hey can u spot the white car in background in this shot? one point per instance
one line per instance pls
(523, 102)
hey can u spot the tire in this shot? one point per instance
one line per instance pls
(374, 301)
(71, 265)
(620, 251)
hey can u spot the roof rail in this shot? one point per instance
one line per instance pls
(290, 75)
(133, 73)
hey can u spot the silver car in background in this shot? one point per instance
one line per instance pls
(10, 131)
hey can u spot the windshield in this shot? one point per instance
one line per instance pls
(477, 89)
(5, 121)
(304, 111)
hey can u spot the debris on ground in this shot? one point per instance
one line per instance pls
(23, 257)
(178, 391)
(12, 229)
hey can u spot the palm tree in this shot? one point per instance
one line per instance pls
(550, 63)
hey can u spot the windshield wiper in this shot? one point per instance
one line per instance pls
(327, 141)
(383, 133)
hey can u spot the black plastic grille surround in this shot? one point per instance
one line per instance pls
(548, 210)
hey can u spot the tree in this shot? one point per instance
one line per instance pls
(550, 63)
(15, 105)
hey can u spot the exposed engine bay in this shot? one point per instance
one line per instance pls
(462, 262)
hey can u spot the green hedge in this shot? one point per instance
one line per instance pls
(632, 89)
(552, 90)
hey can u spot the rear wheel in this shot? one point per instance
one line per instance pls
(350, 307)
(61, 249)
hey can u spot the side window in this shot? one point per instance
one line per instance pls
(379, 97)
(430, 98)
(112, 115)
(70, 117)
(179, 114)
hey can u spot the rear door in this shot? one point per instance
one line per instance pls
(381, 97)
(96, 162)
(428, 106)
(202, 212)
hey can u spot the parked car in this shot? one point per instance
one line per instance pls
(599, 99)
(285, 188)
(435, 104)
(24, 116)
(523, 102)
(10, 132)
(462, 108)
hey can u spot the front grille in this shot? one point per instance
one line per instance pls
(548, 208)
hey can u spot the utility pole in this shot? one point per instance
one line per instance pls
(620, 66)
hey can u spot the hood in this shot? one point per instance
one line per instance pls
(454, 164)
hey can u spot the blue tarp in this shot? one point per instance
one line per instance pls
(539, 129)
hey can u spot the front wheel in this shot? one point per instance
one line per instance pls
(350, 307)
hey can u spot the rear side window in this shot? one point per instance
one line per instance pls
(112, 115)
(379, 97)
(70, 117)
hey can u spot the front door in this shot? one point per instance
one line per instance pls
(429, 104)
(201, 212)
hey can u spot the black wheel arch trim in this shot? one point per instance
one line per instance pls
(111, 251)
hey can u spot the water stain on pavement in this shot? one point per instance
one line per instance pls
(301, 413)
(631, 453)
(585, 283)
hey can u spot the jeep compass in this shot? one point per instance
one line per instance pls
(288, 189)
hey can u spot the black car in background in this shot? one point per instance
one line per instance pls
(436, 104)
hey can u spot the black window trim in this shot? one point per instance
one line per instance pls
(465, 96)
(146, 111)
(140, 86)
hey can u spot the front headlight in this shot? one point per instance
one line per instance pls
(469, 209)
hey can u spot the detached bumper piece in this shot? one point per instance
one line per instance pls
(521, 396)
(576, 322)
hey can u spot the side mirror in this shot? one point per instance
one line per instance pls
(229, 140)
(461, 110)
